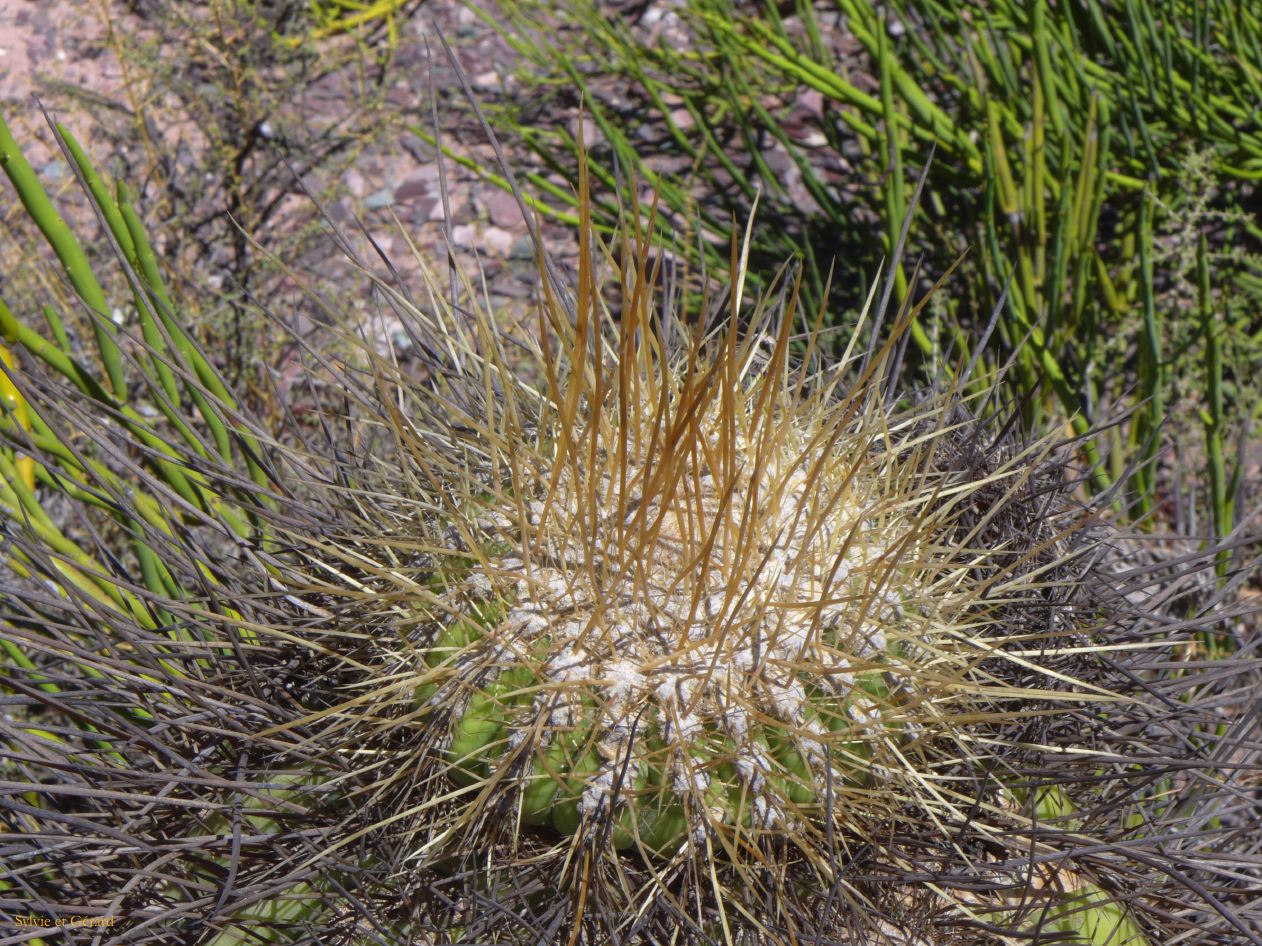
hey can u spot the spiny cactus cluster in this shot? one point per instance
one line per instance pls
(714, 634)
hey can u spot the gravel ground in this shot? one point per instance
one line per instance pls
(85, 62)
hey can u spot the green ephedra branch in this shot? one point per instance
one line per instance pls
(664, 623)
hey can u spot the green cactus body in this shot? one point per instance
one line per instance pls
(567, 805)
(652, 817)
(650, 807)
(547, 776)
(478, 735)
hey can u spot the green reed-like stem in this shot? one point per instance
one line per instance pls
(69, 252)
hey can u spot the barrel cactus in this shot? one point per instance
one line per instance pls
(668, 622)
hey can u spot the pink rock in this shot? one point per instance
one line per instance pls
(591, 131)
(683, 119)
(497, 242)
(503, 210)
(414, 188)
